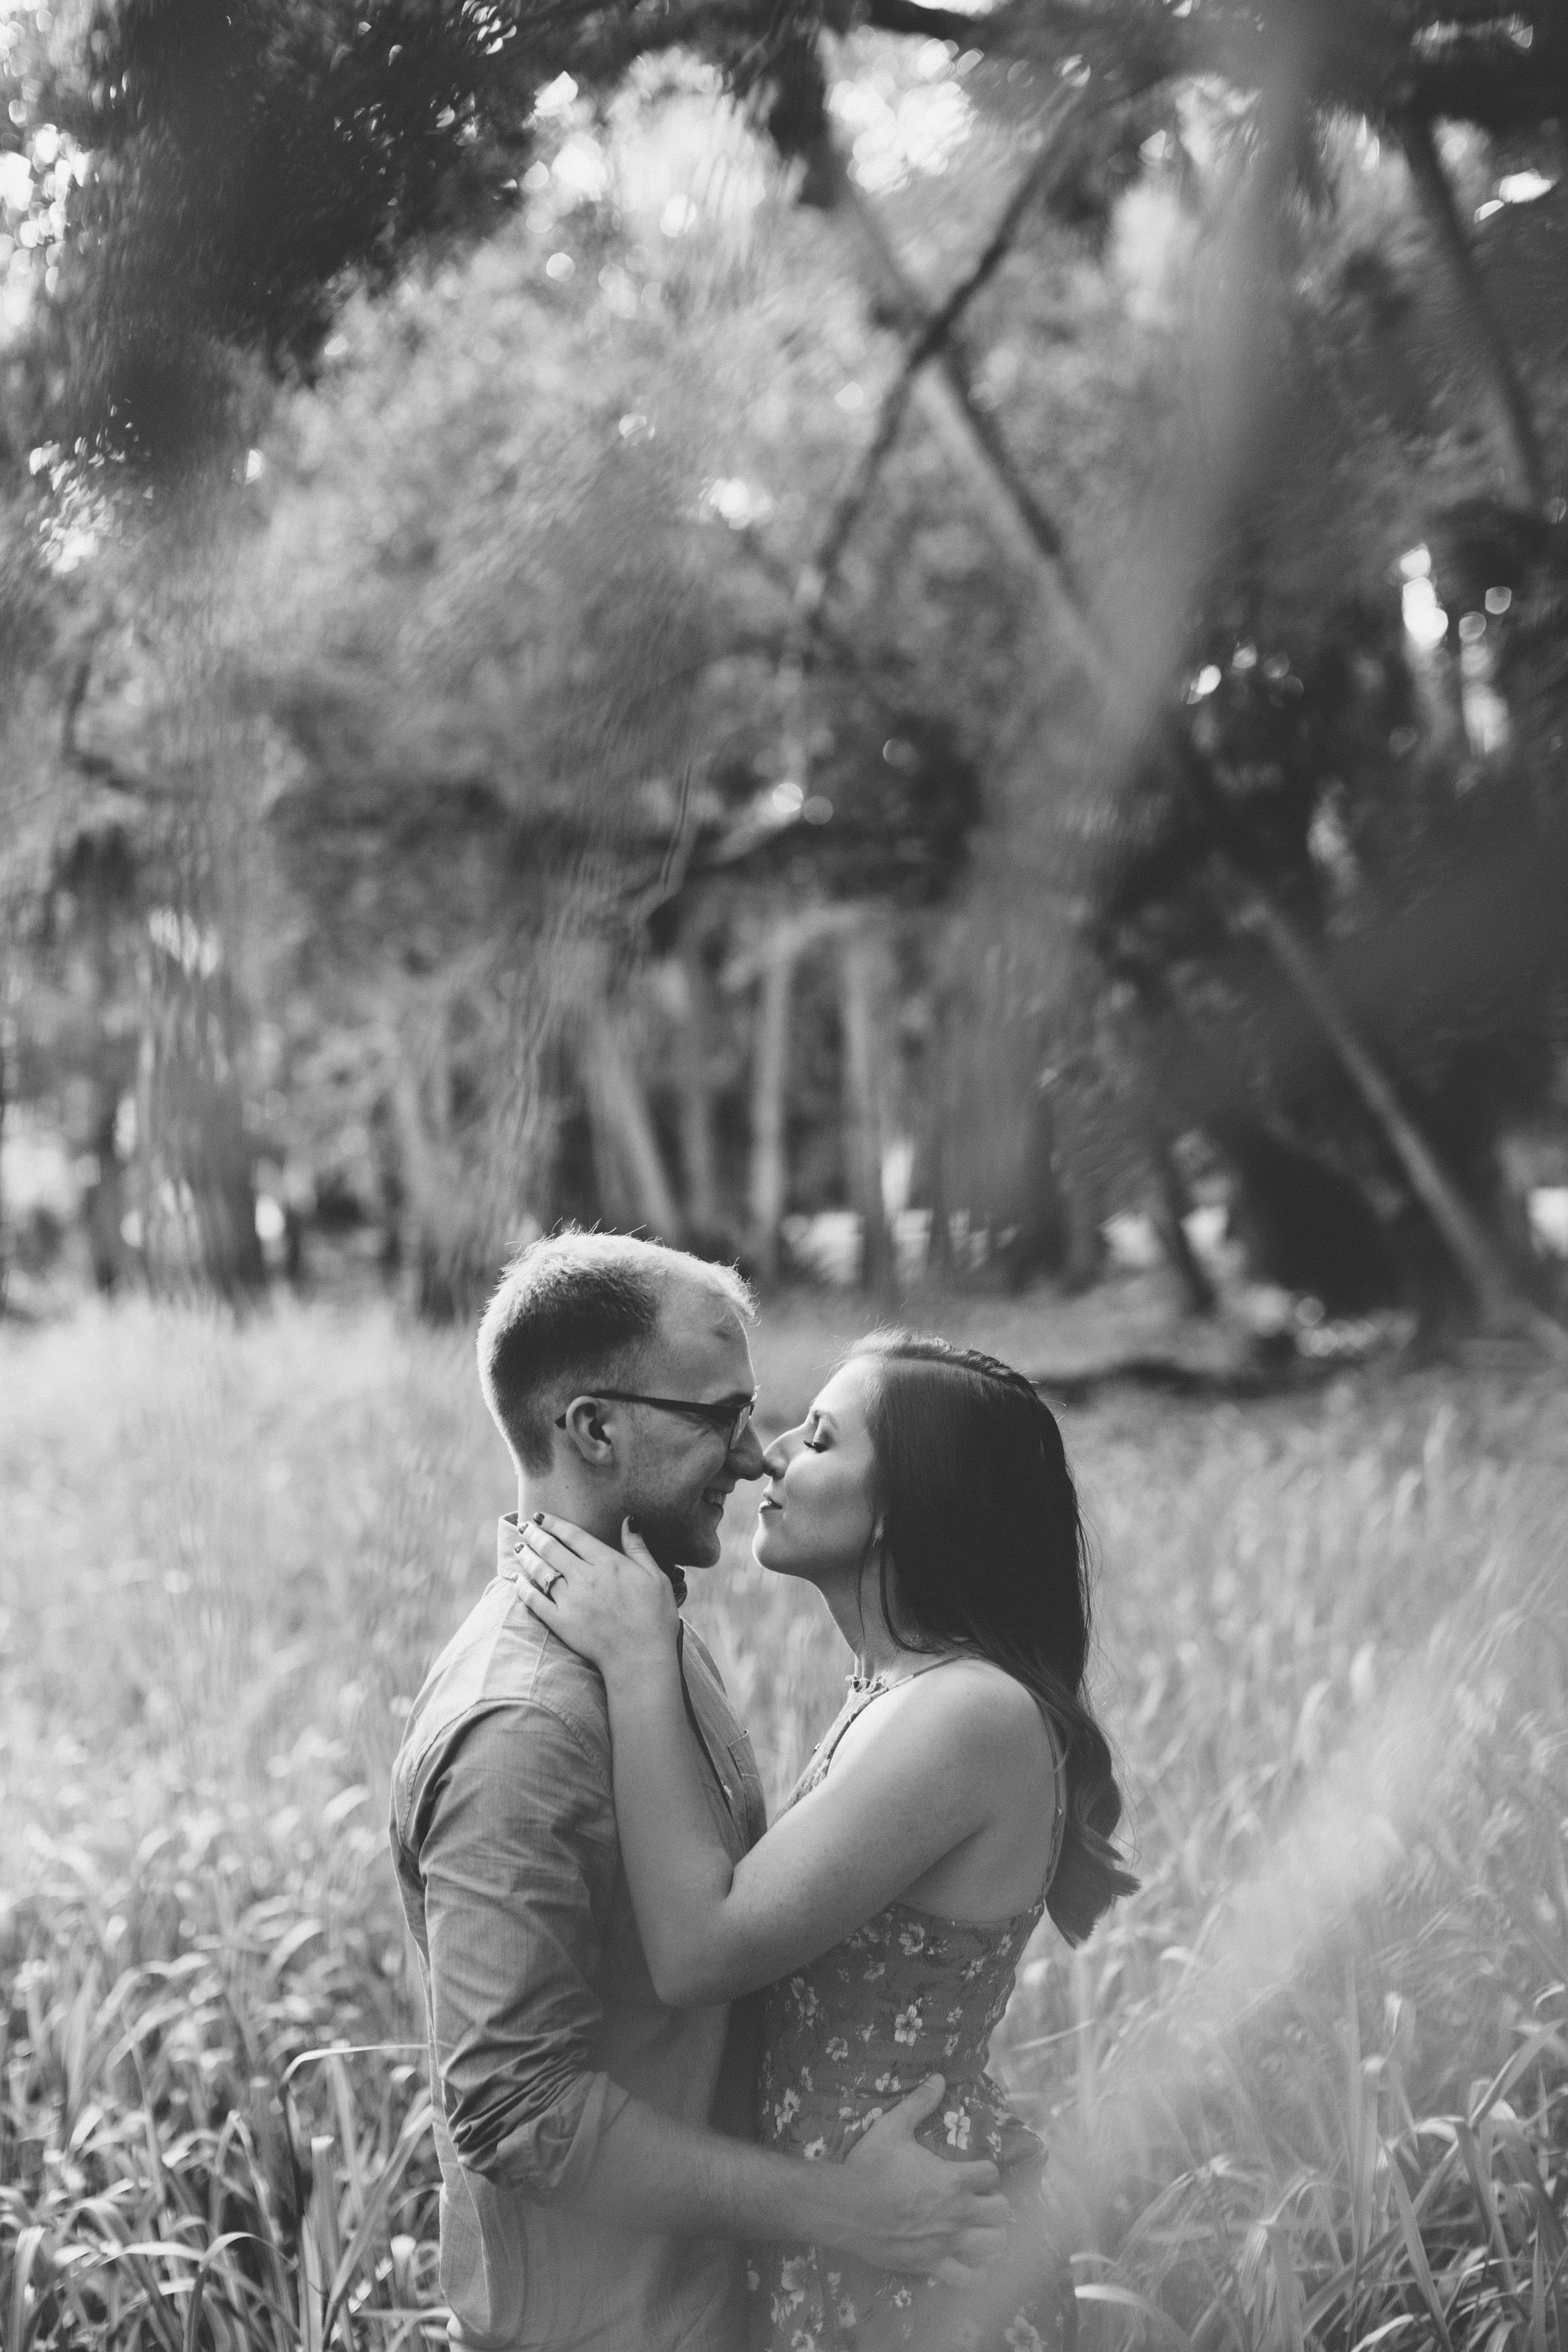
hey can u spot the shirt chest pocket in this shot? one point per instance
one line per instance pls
(734, 1792)
(725, 1793)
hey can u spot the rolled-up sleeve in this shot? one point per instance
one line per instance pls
(516, 1859)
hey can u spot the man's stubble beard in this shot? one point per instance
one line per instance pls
(671, 1517)
(679, 1539)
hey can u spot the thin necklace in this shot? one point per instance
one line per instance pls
(873, 1685)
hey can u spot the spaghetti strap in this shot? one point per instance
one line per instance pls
(822, 1753)
(854, 1708)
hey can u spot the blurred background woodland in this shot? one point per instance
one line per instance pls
(859, 634)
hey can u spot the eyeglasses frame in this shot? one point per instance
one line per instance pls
(732, 1430)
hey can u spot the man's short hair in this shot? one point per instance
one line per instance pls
(574, 1308)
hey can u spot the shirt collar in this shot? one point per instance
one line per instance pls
(509, 1555)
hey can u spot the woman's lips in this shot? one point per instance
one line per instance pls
(770, 1503)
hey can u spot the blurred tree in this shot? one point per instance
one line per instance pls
(124, 886)
(1099, 803)
(1363, 765)
(216, 174)
(1143, 348)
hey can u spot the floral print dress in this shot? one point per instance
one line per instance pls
(848, 2036)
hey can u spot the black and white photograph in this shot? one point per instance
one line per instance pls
(783, 1176)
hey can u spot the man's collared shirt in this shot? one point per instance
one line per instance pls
(543, 2017)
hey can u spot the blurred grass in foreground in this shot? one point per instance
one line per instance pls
(1308, 2088)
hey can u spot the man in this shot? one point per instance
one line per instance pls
(598, 2179)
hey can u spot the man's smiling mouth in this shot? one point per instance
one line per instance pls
(715, 1496)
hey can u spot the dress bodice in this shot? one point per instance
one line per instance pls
(904, 1996)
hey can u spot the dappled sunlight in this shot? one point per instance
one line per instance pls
(896, 133)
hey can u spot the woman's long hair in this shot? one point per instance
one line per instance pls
(984, 1550)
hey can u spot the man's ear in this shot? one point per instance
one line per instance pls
(584, 1422)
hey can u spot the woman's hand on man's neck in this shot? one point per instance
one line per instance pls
(564, 1498)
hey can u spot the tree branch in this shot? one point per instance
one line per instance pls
(1514, 426)
(1491, 1285)
(930, 340)
(911, 16)
(1477, 74)
(1134, 46)
(1482, 76)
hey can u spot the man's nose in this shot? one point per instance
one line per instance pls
(746, 1457)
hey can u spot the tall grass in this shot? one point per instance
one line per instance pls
(1308, 2088)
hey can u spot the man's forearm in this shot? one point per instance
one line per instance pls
(892, 2202)
(652, 2172)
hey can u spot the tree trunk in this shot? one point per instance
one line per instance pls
(694, 1060)
(4, 1252)
(430, 1175)
(1128, 1024)
(220, 1171)
(198, 1198)
(770, 1087)
(864, 990)
(938, 1249)
(1078, 1183)
(104, 1207)
(1513, 428)
(1171, 1206)
(142, 1164)
(622, 1129)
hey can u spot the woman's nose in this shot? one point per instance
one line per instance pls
(777, 1457)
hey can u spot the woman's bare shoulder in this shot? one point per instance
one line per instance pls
(987, 1701)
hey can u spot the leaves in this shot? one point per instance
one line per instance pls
(170, 2216)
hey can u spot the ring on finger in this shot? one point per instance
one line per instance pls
(556, 1575)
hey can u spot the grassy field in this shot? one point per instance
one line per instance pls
(1310, 2087)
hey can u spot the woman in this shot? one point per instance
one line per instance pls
(963, 1788)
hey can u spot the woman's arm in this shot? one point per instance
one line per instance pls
(891, 1809)
(617, 1609)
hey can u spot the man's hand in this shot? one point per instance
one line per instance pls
(915, 2212)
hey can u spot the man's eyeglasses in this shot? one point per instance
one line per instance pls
(728, 1419)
